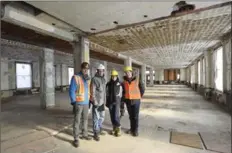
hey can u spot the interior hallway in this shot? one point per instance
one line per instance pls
(26, 128)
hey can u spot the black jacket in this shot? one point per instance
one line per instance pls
(113, 92)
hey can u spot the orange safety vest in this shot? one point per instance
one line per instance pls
(132, 90)
(80, 93)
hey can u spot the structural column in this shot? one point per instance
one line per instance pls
(64, 77)
(183, 75)
(196, 72)
(208, 69)
(81, 53)
(159, 76)
(143, 75)
(58, 76)
(106, 71)
(47, 94)
(151, 76)
(201, 71)
(128, 62)
(208, 75)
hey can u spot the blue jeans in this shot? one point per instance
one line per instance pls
(98, 119)
(114, 115)
(133, 111)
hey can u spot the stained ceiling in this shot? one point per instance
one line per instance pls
(171, 42)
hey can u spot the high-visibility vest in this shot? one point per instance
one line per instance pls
(132, 90)
(80, 93)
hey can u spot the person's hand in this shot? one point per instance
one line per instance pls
(122, 112)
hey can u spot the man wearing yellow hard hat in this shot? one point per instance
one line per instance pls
(113, 100)
(133, 90)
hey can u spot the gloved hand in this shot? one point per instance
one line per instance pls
(122, 112)
(73, 103)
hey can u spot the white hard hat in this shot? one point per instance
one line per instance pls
(101, 67)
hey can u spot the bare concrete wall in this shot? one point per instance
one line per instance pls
(13, 52)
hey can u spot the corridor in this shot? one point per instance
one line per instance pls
(174, 119)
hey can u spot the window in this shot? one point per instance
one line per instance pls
(199, 72)
(23, 76)
(204, 73)
(218, 69)
(178, 76)
(70, 74)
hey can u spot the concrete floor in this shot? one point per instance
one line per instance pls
(26, 128)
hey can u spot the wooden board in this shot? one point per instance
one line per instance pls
(186, 139)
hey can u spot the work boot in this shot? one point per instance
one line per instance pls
(76, 143)
(129, 131)
(113, 131)
(135, 134)
(86, 138)
(102, 132)
(118, 132)
(96, 137)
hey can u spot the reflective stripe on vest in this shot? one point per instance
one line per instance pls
(132, 90)
(80, 93)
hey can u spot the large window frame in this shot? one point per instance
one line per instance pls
(199, 71)
(218, 69)
(17, 79)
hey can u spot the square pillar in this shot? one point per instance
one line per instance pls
(36, 74)
(196, 72)
(128, 62)
(81, 53)
(106, 71)
(201, 71)
(47, 87)
(208, 75)
(183, 75)
(58, 75)
(64, 77)
(151, 77)
(208, 69)
(143, 75)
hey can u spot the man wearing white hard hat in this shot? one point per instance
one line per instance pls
(98, 99)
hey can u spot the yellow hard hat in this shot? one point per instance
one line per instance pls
(114, 73)
(127, 68)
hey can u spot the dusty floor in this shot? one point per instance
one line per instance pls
(25, 128)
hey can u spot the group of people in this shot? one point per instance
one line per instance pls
(99, 93)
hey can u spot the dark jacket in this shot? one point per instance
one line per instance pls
(141, 88)
(113, 92)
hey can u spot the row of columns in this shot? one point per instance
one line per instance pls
(207, 69)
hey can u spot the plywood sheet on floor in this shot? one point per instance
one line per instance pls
(186, 139)
(219, 142)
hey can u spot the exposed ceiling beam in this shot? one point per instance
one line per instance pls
(24, 19)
